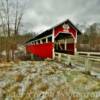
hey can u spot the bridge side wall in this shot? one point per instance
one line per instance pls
(42, 50)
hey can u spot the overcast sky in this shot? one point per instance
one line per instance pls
(42, 14)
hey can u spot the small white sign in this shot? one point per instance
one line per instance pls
(66, 27)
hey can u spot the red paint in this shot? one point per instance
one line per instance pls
(45, 50)
(70, 48)
(60, 29)
(73, 32)
(57, 30)
(42, 50)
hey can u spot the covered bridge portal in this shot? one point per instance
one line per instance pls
(60, 38)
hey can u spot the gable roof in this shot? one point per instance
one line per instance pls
(49, 31)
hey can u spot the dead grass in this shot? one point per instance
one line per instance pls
(39, 82)
(43, 87)
(19, 78)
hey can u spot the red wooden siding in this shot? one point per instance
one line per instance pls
(60, 29)
(70, 48)
(42, 50)
(57, 30)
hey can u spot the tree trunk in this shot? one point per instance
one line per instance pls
(7, 49)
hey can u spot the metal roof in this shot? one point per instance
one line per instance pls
(49, 31)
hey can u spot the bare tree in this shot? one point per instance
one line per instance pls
(11, 14)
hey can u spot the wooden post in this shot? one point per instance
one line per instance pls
(46, 40)
(87, 64)
(69, 59)
(75, 48)
(65, 44)
(59, 57)
(25, 51)
(53, 40)
(32, 56)
(41, 42)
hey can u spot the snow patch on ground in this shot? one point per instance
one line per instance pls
(46, 80)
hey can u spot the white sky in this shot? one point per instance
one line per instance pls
(42, 14)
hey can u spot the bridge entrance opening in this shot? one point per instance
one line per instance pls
(64, 43)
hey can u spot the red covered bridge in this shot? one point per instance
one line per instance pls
(60, 38)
